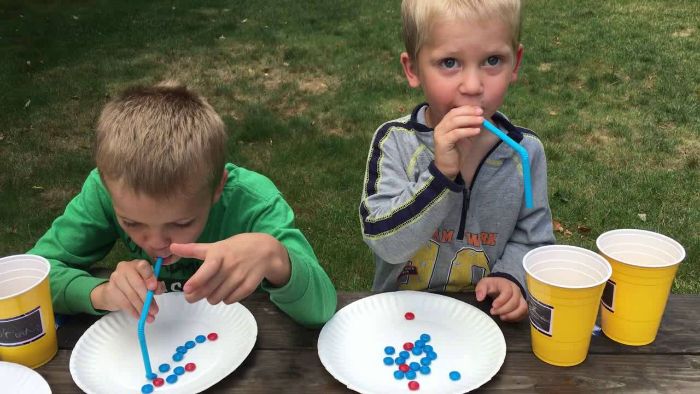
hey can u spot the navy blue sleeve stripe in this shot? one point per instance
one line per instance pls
(423, 199)
(405, 214)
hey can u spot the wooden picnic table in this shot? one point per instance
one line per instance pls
(285, 357)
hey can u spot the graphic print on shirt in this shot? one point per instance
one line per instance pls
(467, 266)
(418, 271)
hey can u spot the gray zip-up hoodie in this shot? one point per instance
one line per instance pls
(430, 233)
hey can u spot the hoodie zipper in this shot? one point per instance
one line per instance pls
(466, 193)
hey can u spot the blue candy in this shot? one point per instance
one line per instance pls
(425, 361)
(171, 379)
(419, 343)
(414, 366)
(388, 361)
(425, 369)
(432, 355)
(181, 349)
(425, 337)
(398, 375)
(427, 348)
(454, 375)
(404, 354)
(164, 367)
(177, 357)
(146, 388)
(410, 375)
(189, 344)
(151, 376)
(200, 339)
(399, 360)
(179, 371)
(389, 350)
(417, 351)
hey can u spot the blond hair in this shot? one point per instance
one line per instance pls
(160, 140)
(420, 15)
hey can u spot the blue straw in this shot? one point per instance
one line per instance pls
(524, 158)
(142, 322)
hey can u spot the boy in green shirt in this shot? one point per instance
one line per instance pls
(163, 187)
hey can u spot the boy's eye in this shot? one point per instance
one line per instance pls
(493, 61)
(183, 225)
(449, 62)
(129, 224)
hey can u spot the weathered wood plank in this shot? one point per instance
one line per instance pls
(300, 371)
(678, 334)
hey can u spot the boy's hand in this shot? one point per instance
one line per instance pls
(233, 268)
(457, 125)
(508, 303)
(126, 289)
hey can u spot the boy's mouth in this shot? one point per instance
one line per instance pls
(168, 259)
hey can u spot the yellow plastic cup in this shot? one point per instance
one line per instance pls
(27, 328)
(565, 285)
(644, 265)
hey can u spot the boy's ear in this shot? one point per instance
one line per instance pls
(220, 187)
(409, 69)
(518, 60)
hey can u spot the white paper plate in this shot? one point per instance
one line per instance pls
(351, 345)
(18, 379)
(107, 358)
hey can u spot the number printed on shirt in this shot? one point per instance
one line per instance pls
(467, 267)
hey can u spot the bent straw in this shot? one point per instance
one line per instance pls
(524, 158)
(142, 321)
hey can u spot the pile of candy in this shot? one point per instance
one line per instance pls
(180, 352)
(410, 370)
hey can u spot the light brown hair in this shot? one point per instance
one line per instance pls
(420, 15)
(160, 140)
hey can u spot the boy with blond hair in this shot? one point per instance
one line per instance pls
(442, 205)
(163, 187)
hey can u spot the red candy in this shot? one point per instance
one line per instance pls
(158, 382)
(189, 367)
(413, 385)
(404, 367)
(212, 337)
(407, 346)
(409, 316)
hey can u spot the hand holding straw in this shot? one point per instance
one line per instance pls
(142, 322)
(524, 159)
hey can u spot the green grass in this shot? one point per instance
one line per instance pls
(611, 87)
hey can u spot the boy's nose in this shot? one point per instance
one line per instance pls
(471, 83)
(158, 240)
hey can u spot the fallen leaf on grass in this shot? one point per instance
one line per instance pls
(642, 216)
(583, 229)
(557, 226)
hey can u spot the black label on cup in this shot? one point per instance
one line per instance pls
(540, 315)
(23, 329)
(608, 299)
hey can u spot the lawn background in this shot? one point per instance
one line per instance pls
(612, 88)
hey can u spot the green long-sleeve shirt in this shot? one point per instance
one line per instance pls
(250, 202)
